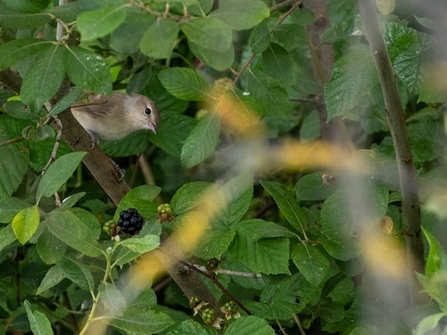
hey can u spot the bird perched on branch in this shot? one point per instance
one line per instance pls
(111, 118)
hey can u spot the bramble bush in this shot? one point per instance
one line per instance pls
(288, 189)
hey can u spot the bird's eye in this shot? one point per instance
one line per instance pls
(147, 111)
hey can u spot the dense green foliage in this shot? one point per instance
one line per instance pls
(297, 241)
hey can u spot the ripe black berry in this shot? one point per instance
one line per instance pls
(130, 221)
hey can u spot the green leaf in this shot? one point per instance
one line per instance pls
(408, 49)
(7, 236)
(187, 197)
(268, 255)
(202, 141)
(353, 76)
(10, 18)
(437, 259)
(312, 187)
(209, 33)
(76, 271)
(214, 243)
(9, 207)
(428, 323)
(159, 40)
(14, 51)
(259, 39)
(27, 6)
(184, 84)
(25, 223)
(112, 299)
(50, 248)
(58, 173)
(18, 110)
(53, 277)
(236, 195)
(100, 22)
(126, 38)
(311, 262)
(215, 59)
(67, 227)
(287, 204)
(268, 92)
(140, 198)
(241, 15)
(88, 70)
(291, 36)
(249, 325)
(39, 323)
(141, 244)
(43, 80)
(66, 101)
(277, 63)
(434, 286)
(140, 320)
(134, 144)
(191, 327)
(303, 16)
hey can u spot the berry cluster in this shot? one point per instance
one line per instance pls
(230, 310)
(110, 228)
(130, 221)
(212, 264)
(209, 316)
(165, 213)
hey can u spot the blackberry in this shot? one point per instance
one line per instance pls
(130, 221)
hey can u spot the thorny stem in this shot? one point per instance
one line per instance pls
(231, 272)
(212, 277)
(280, 20)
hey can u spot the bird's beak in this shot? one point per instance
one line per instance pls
(152, 127)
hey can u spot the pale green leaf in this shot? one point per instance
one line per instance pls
(241, 15)
(187, 197)
(141, 244)
(25, 223)
(100, 22)
(209, 33)
(437, 259)
(353, 76)
(7, 236)
(311, 262)
(184, 84)
(88, 70)
(268, 255)
(58, 173)
(112, 299)
(249, 325)
(159, 40)
(38, 321)
(67, 227)
(43, 80)
(202, 141)
(428, 323)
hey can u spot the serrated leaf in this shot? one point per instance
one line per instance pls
(43, 80)
(88, 70)
(134, 144)
(287, 204)
(268, 92)
(187, 196)
(310, 262)
(191, 327)
(39, 323)
(209, 33)
(353, 76)
(235, 13)
(259, 39)
(214, 243)
(25, 223)
(202, 141)
(112, 299)
(159, 40)
(268, 255)
(236, 196)
(140, 198)
(14, 51)
(312, 187)
(58, 173)
(100, 22)
(184, 84)
(141, 244)
(67, 227)
(249, 325)
(277, 63)
(140, 320)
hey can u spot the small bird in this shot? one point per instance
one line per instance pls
(111, 118)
